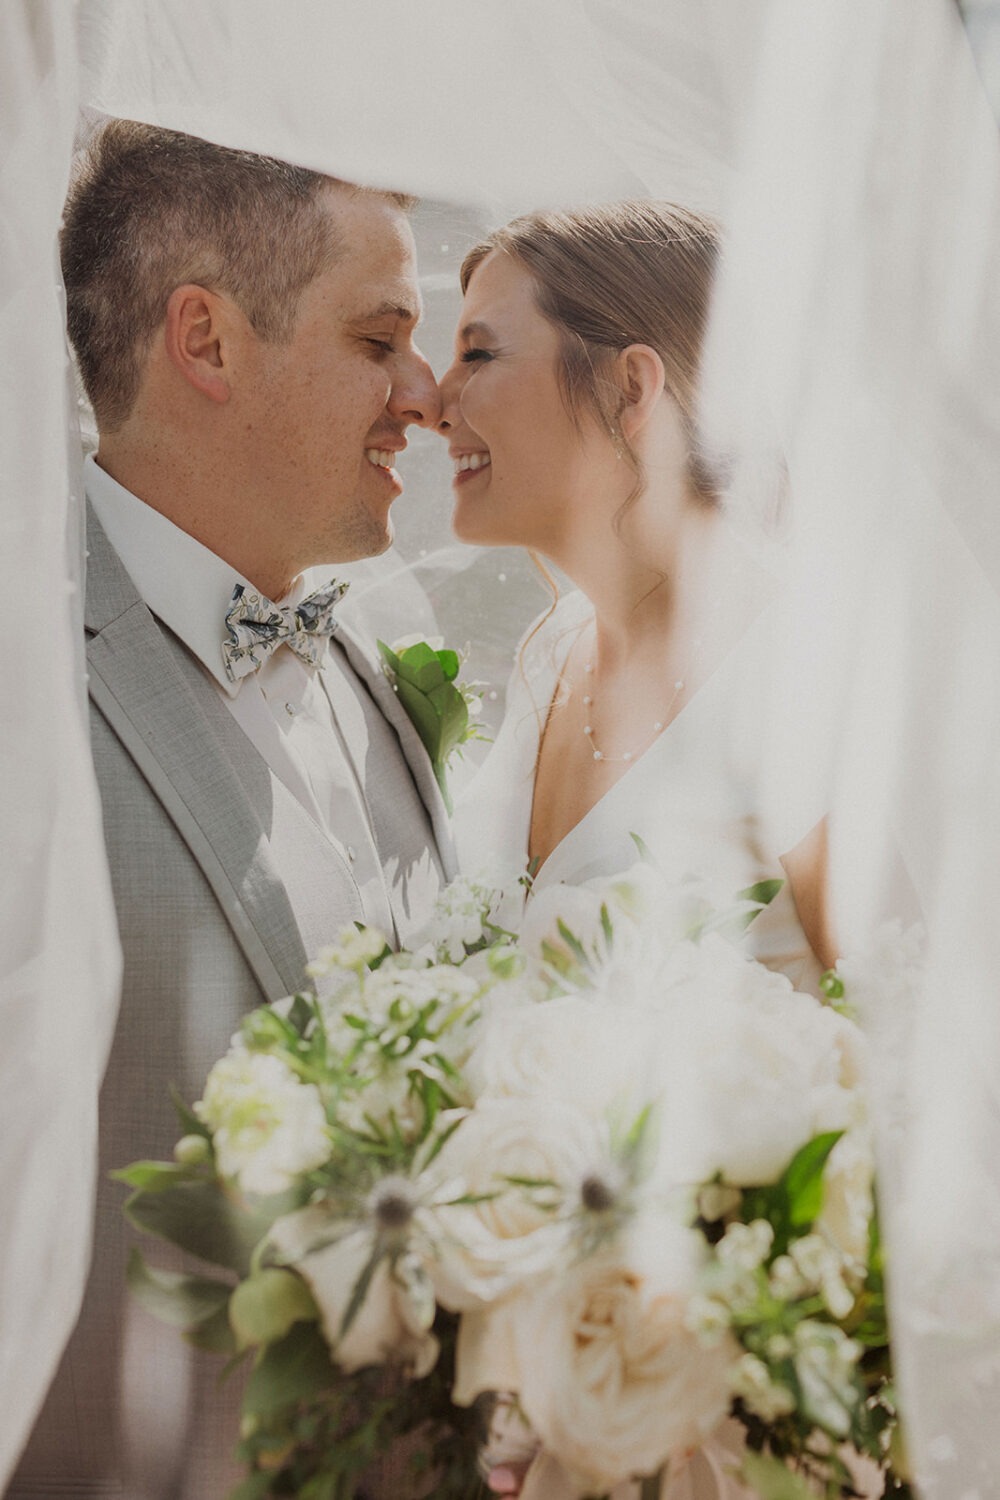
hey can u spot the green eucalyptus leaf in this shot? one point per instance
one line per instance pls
(803, 1178)
(263, 1308)
(173, 1297)
(642, 849)
(572, 943)
(153, 1176)
(300, 1014)
(762, 893)
(206, 1220)
(215, 1335)
(189, 1121)
(295, 1369)
(772, 1479)
(254, 1487)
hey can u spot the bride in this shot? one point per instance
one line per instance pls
(635, 701)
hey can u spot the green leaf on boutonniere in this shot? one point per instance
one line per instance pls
(425, 681)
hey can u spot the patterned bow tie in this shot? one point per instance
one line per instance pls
(257, 628)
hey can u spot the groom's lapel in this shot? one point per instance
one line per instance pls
(197, 761)
(417, 759)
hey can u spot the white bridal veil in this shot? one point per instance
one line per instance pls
(849, 148)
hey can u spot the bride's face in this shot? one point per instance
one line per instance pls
(522, 464)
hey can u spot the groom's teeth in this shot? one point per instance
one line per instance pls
(471, 461)
(381, 457)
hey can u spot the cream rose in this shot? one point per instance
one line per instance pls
(487, 1248)
(609, 1374)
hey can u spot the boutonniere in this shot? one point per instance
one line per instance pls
(443, 711)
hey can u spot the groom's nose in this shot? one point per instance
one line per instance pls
(415, 397)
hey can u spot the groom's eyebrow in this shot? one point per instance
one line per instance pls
(408, 312)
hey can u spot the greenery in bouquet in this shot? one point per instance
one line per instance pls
(297, 1179)
(614, 1171)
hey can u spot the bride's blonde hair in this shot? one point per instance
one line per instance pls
(606, 276)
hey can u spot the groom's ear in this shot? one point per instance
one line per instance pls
(194, 334)
(642, 380)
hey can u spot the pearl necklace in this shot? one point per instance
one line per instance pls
(629, 755)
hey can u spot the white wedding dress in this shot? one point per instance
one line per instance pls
(691, 798)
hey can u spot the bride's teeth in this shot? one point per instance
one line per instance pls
(471, 461)
(381, 457)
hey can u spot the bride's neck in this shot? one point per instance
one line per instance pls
(640, 582)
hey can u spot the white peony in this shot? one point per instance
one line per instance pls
(267, 1126)
(606, 1368)
(487, 1248)
(393, 1323)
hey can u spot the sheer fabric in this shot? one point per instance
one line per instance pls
(849, 147)
(58, 948)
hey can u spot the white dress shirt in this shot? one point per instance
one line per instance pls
(308, 723)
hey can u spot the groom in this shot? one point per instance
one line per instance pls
(245, 332)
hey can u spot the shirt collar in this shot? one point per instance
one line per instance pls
(185, 585)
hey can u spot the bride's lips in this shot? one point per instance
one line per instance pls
(469, 464)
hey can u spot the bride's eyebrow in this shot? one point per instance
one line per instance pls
(478, 331)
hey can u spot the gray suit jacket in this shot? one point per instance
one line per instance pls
(224, 887)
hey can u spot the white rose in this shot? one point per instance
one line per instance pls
(756, 1070)
(575, 1050)
(267, 1126)
(486, 1248)
(394, 1320)
(609, 1373)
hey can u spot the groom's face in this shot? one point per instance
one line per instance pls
(327, 411)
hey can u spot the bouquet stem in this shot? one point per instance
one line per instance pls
(652, 1485)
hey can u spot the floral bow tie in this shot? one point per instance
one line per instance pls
(257, 628)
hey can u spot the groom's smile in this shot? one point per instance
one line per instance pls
(328, 410)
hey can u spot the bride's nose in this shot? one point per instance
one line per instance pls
(450, 389)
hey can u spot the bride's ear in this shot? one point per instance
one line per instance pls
(642, 380)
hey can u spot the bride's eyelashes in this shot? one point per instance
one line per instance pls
(470, 356)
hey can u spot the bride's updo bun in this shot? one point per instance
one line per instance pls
(633, 272)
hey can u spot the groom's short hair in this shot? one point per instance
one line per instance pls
(149, 209)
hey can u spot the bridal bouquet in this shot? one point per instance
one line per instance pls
(613, 1171)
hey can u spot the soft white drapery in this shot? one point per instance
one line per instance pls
(58, 948)
(848, 146)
